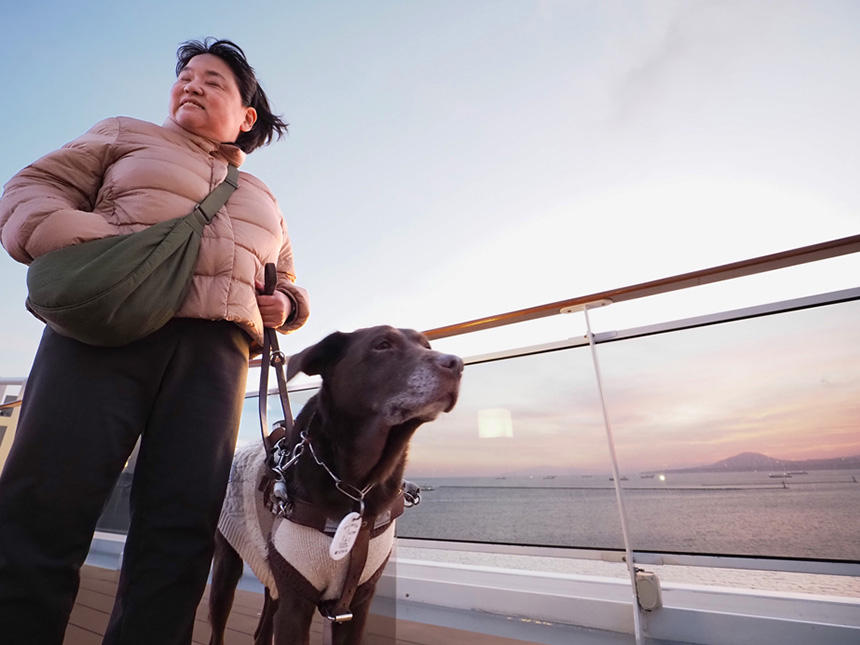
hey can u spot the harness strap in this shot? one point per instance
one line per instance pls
(301, 512)
(338, 610)
(363, 594)
(288, 577)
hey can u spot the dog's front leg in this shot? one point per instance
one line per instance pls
(263, 633)
(293, 619)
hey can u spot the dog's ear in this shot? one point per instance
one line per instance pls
(314, 359)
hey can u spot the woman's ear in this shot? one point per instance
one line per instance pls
(250, 120)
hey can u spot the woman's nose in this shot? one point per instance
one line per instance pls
(192, 87)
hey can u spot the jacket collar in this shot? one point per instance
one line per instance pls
(228, 152)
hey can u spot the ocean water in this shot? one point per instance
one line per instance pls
(813, 515)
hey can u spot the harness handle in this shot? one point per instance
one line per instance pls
(272, 357)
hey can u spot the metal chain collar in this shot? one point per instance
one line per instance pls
(283, 459)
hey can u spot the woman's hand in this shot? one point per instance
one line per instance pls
(274, 309)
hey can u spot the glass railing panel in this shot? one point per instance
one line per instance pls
(520, 460)
(742, 438)
(249, 425)
(115, 515)
(523, 458)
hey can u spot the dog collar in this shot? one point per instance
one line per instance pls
(353, 492)
(283, 459)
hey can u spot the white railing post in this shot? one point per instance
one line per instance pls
(616, 476)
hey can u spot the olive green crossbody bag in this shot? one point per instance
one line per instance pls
(113, 291)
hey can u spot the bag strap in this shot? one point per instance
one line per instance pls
(210, 204)
(272, 357)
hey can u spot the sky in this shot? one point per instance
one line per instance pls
(453, 160)
(788, 388)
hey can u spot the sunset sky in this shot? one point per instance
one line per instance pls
(452, 160)
(787, 386)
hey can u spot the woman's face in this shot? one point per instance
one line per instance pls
(205, 100)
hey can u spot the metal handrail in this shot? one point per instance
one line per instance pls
(793, 257)
(761, 264)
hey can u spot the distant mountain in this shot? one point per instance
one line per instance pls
(747, 461)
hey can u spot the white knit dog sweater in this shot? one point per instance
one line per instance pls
(248, 525)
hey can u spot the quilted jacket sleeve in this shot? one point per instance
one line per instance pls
(48, 205)
(286, 283)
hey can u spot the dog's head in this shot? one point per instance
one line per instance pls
(379, 385)
(388, 373)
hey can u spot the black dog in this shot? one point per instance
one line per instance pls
(339, 487)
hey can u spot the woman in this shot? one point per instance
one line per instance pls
(180, 389)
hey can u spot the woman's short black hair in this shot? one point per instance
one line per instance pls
(267, 124)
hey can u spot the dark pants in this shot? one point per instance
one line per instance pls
(181, 391)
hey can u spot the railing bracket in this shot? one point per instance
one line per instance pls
(585, 305)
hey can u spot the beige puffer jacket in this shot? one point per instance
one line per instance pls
(124, 175)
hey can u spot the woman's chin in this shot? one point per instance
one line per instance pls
(193, 121)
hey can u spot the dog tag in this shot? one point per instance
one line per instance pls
(344, 536)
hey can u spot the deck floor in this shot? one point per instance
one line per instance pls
(98, 587)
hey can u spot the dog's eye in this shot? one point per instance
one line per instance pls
(382, 344)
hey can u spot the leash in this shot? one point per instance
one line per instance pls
(273, 357)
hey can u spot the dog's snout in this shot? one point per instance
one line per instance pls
(450, 362)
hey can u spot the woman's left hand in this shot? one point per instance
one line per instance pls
(274, 309)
